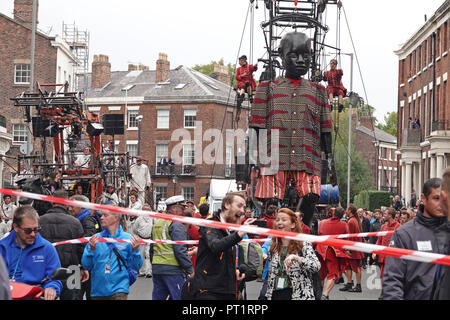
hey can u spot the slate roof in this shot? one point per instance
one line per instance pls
(379, 134)
(184, 85)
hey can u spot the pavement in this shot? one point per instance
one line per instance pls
(370, 284)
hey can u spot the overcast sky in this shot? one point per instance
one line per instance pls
(200, 31)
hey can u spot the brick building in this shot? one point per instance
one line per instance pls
(423, 91)
(180, 108)
(379, 149)
(54, 63)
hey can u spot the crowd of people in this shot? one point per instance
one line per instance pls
(293, 270)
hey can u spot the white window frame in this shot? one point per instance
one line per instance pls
(187, 156)
(189, 113)
(25, 76)
(20, 133)
(184, 193)
(131, 113)
(163, 119)
(158, 155)
(135, 145)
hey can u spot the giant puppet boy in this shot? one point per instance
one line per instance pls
(298, 110)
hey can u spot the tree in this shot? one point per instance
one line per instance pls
(208, 69)
(390, 123)
(360, 175)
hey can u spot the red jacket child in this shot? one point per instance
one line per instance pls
(244, 74)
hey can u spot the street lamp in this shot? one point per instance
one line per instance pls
(139, 120)
(174, 180)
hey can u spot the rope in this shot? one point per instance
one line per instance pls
(229, 92)
(365, 91)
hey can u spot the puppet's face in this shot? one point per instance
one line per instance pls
(295, 50)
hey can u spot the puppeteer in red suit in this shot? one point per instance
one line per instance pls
(245, 81)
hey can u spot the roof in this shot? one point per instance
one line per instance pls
(184, 85)
(378, 134)
(20, 23)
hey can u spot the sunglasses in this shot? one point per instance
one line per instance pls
(30, 230)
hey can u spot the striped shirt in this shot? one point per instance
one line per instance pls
(299, 110)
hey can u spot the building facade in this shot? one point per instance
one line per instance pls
(171, 114)
(379, 150)
(423, 94)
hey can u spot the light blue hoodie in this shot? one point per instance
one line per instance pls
(106, 284)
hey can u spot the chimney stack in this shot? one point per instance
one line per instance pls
(23, 11)
(366, 120)
(162, 68)
(221, 74)
(134, 67)
(101, 71)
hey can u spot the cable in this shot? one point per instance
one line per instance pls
(365, 92)
(229, 92)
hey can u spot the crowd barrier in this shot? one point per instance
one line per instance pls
(406, 254)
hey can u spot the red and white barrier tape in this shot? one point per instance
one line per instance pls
(362, 235)
(325, 240)
(142, 241)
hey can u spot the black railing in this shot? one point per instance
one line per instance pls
(172, 170)
(392, 190)
(440, 125)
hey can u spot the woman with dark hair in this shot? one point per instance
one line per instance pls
(291, 263)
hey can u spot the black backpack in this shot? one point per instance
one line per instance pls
(98, 224)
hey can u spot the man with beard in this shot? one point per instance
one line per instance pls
(413, 280)
(215, 271)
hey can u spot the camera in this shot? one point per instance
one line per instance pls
(260, 223)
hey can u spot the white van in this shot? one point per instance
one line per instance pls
(218, 188)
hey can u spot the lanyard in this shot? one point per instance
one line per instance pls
(17, 265)
(438, 270)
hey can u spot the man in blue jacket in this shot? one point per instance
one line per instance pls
(109, 276)
(30, 258)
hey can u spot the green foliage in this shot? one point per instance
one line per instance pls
(372, 199)
(208, 69)
(360, 176)
(390, 123)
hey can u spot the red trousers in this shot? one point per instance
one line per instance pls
(332, 265)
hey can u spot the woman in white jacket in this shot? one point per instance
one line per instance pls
(142, 228)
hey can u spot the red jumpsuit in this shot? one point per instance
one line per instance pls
(193, 234)
(384, 241)
(334, 79)
(244, 76)
(332, 260)
(354, 262)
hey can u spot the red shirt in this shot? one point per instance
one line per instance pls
(242, 79)
(198, 215)
(353, 227)
(334, 77)
(331, 226)
(384, 240)
(305, 229)
(193, 234)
